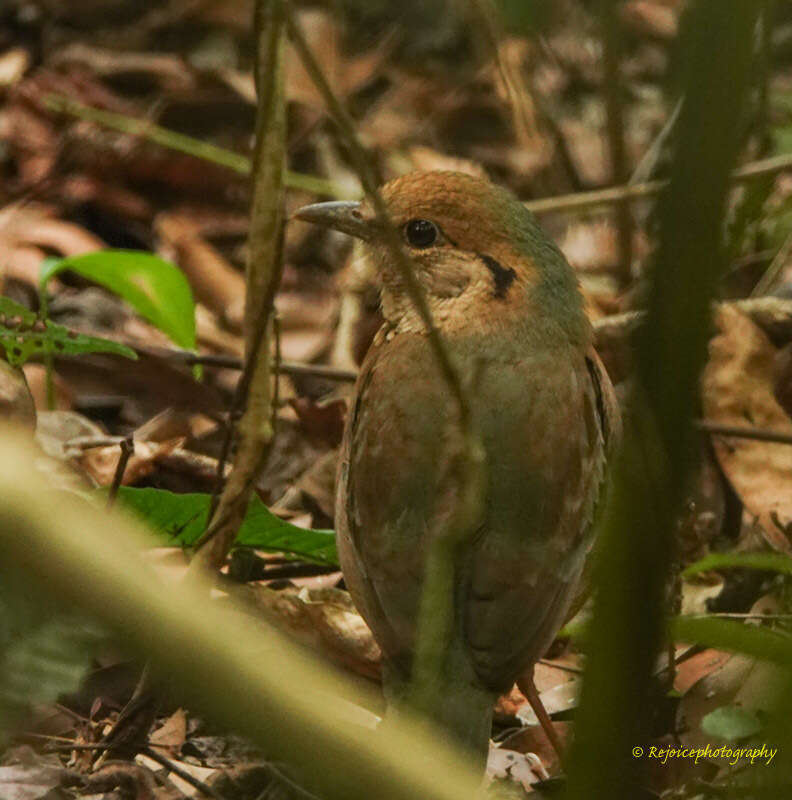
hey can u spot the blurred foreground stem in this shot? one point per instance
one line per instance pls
(651, 474)
(436, 613)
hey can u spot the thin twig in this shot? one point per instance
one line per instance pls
(746, 432)
(371, 181)
(771, 275)
(764, 58)
(611, 57)
(89, 442)
(622, 194)
(562, 667)
(295, 368)
(735, 615)
(287, 781)
(521, 106)
(772, 314)
(127, 448)
(196, 783)
(149, 131)
(648, 163)
(436, 611)
(577, 201)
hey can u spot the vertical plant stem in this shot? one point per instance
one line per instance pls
(436, 612)
(127, 448)
(255, 430)
(764, 74)
(49, 360)
(651, 473)
(620, 171)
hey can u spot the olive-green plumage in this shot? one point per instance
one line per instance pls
(511, 315)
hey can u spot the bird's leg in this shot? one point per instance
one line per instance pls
(526, 685)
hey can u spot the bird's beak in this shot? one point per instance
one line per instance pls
(340, 216)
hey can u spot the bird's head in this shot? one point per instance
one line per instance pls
(480, 256)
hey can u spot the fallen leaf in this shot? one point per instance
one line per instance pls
(324, 619)
(650, 19)
(216, 283)
(739, 681)
(171, 735)
(520, 768)
(14, 64)
(30, 783)
(698, 666)
(16, 401)
(737, 390)
(101, 462)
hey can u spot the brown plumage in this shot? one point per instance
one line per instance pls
(511, 315)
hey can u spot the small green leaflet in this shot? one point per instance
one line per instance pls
(155, 288)
(181, 519)
(772, 562)
(23, 335)
(732, 723)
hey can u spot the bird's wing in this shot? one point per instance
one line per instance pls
(389, 470)
(546, 479)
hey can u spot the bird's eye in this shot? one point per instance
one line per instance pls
(421, 232)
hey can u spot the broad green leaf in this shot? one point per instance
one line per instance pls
(182, 518)
(731, 722)
(773, 562)
(156, 289)
(726, 634)
(23, 335)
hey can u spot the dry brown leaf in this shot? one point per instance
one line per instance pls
(101, 462)
(520, 768)
(650, 19)
(171, 735)
(36, 375)
(322, 422)
(167, 72)
(14, 64)
(343, 630)
(323, 619)
(533, 740)
(28, 232)
(753, 685)
(737, 389)
(16, 402)
(216, 283)
(427, 158)
(321, 34)
(694, 669)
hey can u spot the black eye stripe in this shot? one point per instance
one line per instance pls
(503, 277)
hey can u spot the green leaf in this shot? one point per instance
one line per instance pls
(731, 722)
(156, 289)
(23, 335)
(773, 562)
(182, 518)
(726, 634)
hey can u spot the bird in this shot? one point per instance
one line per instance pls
(510, 313)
